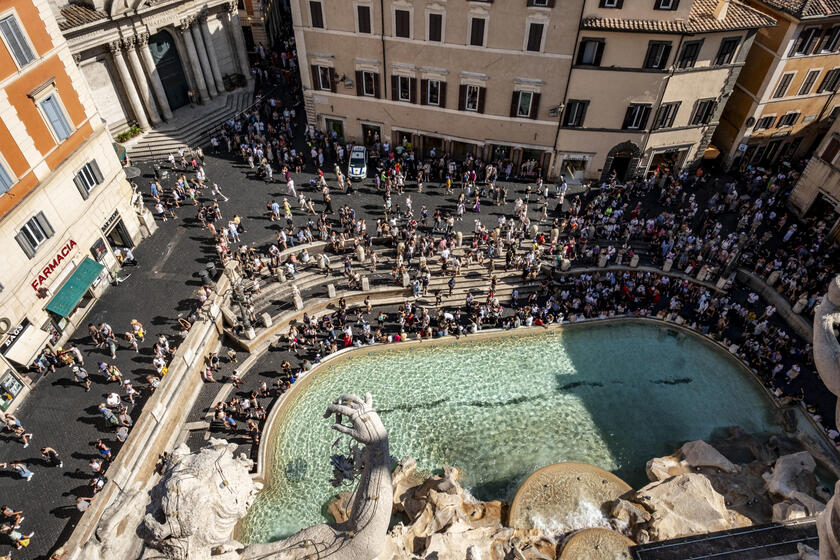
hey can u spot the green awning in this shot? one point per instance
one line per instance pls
(68, 297)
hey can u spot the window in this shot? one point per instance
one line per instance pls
(315, 14)
(765, 122)
(835, 112)
(541, 3)
(477, 26)
(829, 154)
(54, 115)
(617, 4)
(522, 104)
(325, 77)
(402, 23)
(367, 83)
(87, 178)
(575, 113)
(6, 180)
(34, 233)
(657, 55)
(806, 41)
(688, 56)
(727, 49)
(703, 111)
(403, 89)
(784, 83)
(666, 4)
(636, 116)
(471, 98)
(436, 27)
(666, 115)
(431, 93)
(809, 82)
(590, 52)
(829, 82)
(535, 35)
(16, 41)
(831, 39)
(363, 17)
(788, 119)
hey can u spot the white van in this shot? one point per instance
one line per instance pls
(357, 168)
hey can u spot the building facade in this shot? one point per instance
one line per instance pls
(785, 98)
(144, 60)
(817, 192)
(65, 203)
(586, 90)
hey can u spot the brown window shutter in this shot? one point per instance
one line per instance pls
(316, 81)
(535, 105)
(550, 3)
(394, 85)
(333, 80)
(482, 97)
(424, 91)
(514, 103)
(377, 92)
(412, 84)
(359, 78)
(530, 3)
(462, 98)
(442, 95)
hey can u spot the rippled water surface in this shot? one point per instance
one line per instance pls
(610, 395)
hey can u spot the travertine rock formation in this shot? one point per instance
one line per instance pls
(691, 455)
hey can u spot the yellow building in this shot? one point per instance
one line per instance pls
(817, 192)
(785, 98)
(583, 89)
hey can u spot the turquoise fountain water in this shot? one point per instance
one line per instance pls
(609, 395)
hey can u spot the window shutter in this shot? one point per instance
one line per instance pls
(666, 56)
(395, 80)
(797, 44)
(645, 115)
(424, 91)
(24, 244)
(628, 117)
(599, 52)
(80, 184)
(820, 41)
(514, 103)
(96, 172)
(583, 107)
(482, 97)
(530, 3)
(376, 91)
(316, 79)
(412, 84)
(619, 4)
(333, 80)
(442, 95)
(535, 105)
(462, 98)
(45, 224)
(550, 3)
(676, 4)
(359, 78)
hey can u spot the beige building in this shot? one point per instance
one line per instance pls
(65, 203)
(785, 98)
(817, 192)
(584, 90)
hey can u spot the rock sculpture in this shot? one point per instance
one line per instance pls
(827, 360)
(362, 536)
(199, 500)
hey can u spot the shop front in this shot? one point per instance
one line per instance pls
(115, 231)
(573, 166)
(13, 388)
(460, 150)
(433, 146)
(371, 134)
(665, 161)
(73, 299)
(22, 344)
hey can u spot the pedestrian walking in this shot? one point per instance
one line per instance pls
(52, 457)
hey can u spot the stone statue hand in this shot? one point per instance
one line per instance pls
(367, 427)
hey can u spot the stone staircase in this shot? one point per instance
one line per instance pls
(190, 127)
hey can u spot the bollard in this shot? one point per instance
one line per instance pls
(534, 230)
(250, 333)
(602, 260)
(721, 283)
(800, 305)
(634, 262)
(555, 235)
(703, 274)
(459, 238)
(565, 265)
(331, 291)
(773, 278)
(406, 280)
(266, 319)
(667, 266)
(280, 274)
(298, 303)
(321, 262)
(360, 253)
(365, 284)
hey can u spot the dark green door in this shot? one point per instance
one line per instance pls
(169, 69)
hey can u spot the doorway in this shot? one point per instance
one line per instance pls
(371, 134)
(621, 162)
(118, 236)
(168, 65)
(335, 126)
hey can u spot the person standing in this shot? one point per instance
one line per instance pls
(51, 456)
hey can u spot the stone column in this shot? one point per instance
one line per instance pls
(128, 85)
(202, 57)
(152, 75)
(140, 79)
(194, 62)
(211, 53)
(239, 41)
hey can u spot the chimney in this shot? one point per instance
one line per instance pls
(721, 9)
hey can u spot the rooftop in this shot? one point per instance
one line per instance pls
(76, 15)
(806, 8)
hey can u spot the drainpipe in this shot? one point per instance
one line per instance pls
(568, 81)
(662, 95)
(384, 61)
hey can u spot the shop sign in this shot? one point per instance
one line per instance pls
(110, 221)
(10, 387)
(13, 336)
(52, 266)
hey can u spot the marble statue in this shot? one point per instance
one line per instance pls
(362, 536)
(827, 360)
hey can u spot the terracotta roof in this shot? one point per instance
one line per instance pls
(76, 15)
(806, 8)
(701, 20)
